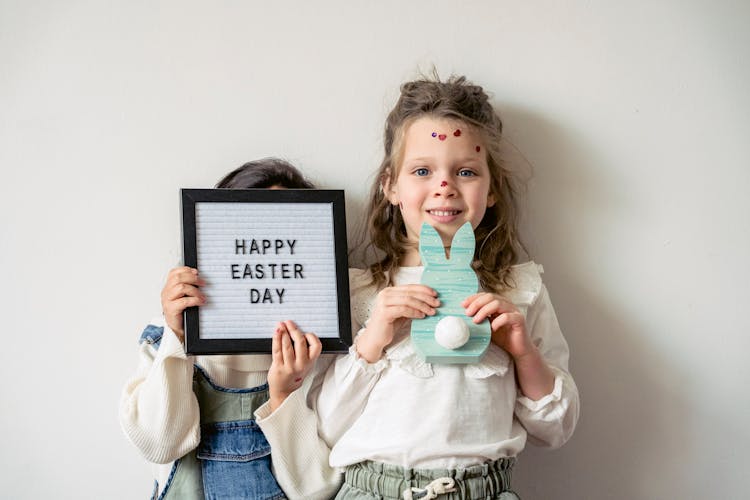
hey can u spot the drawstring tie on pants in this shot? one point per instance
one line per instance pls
(437, 487)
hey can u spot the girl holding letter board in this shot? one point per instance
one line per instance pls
(194, 417)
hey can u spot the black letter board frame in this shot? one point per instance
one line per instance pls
(194, 344)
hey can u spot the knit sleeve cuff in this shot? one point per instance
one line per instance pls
(291, 407)
(171, 346)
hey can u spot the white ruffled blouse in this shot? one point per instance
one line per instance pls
(404, 411)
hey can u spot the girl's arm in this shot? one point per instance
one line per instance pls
(344, 390)
(548, 403)
(509, 331)
(551, 420)
(158, 409)
(299, 455)
(291, 421)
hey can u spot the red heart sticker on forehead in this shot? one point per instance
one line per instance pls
(457, 133)
(442, 137)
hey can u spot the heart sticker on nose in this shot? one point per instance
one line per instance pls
(441, 137)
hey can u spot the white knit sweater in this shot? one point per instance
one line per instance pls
(159, 414)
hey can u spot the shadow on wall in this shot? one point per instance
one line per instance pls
(633, 423)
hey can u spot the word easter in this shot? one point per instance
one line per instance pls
(274, 270)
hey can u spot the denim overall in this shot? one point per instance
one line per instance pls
(233, 458)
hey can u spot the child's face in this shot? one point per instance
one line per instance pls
(443, 179)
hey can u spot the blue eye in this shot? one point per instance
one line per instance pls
(421, 172)
(466, 173)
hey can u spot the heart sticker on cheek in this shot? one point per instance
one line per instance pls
(442, 137)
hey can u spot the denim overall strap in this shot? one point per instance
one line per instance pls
(368, 480)
(220, 404)
(233, 457)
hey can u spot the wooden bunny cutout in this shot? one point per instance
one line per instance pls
(438, 338)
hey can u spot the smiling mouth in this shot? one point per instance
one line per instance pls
(444, 213)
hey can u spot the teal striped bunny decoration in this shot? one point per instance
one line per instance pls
(440, 338)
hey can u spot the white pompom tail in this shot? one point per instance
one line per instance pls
(451, 332)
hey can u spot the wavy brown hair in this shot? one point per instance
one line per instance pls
(497, 239)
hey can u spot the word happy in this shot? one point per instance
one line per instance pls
(262, 247)
(261, 271)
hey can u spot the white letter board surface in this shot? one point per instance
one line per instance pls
(266, 256)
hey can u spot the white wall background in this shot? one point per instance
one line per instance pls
(634, 115)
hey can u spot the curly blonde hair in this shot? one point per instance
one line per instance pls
(497, 239)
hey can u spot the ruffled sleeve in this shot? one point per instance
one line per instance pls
(549, 421)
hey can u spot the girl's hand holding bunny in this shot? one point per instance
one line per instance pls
(509, 333)
(293, 356)
(507, 323)
(180, 292)
(394, 306)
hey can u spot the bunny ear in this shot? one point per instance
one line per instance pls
(462, 246)
(430, 245)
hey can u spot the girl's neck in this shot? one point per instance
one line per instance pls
(412, 258)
